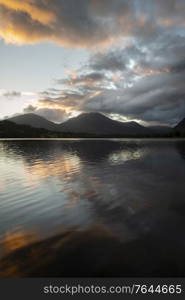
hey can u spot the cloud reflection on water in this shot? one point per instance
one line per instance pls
(127, 185)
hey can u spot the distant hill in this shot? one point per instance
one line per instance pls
(161, 130)
(9, 129)
(88, 123)
(34, 121)
(96, 123)
(84, 125)
(180, 127)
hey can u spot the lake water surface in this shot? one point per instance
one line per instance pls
(131, 186)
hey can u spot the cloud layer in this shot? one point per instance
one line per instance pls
(143, 81)
(137, 55)
(85, 23)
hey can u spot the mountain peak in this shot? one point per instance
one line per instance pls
(26, 116)
(33, 120)
(99, 124)
(91, 115)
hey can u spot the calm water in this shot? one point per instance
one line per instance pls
(131, 186)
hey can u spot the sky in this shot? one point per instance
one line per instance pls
(123, 58)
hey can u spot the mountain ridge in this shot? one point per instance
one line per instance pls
(33, 120)
(91, 123)
(95, 124)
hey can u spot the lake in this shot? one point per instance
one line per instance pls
(131, 186)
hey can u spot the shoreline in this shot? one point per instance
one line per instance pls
(91, 139)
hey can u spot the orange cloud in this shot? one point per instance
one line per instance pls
(18, 35)
(76, 23)
(35, 21)
(148, 72)
(51, 104)
(73, 74)
(42, 15)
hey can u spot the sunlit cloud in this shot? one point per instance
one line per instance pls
(135, 61)
(85, 23)
(41, 14)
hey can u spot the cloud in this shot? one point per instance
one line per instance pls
(149, 80)
(51, 114)
(54, 115)
(66, 22)
(30, 109)
(162, 52)
(56, 105)
(91, 78)
(143, 81)
(157, 98)
(85, 23)
(12, 94)
(140, 76)
(66, 100)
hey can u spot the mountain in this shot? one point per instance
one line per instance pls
(161, 130)
(35, 121)
(9, 129)
(89, 125)
(180, 127)
(98, 124)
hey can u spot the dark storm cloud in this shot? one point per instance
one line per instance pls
(165, 51)
(116, 59)
(71, 22)
(138, 82)
(86, 23)
(144, 80)
(150, 85)
(155, 98)
(170, 12)
(140, 76)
